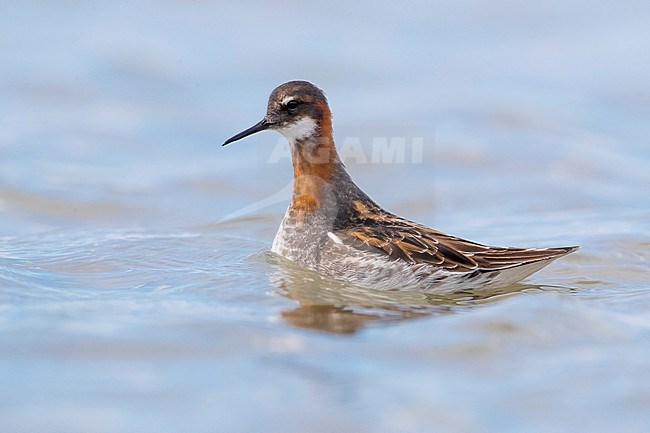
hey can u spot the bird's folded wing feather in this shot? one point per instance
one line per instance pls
(401, 239)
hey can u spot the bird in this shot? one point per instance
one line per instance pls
(334, 228)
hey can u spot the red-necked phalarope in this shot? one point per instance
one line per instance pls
(334, 228)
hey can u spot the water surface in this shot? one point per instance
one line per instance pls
(137, 289)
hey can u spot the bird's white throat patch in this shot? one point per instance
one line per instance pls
(299, 130)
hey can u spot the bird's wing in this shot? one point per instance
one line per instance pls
(400, 239)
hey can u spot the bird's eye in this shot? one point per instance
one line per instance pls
(292, 105)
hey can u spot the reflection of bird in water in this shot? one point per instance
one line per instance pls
(332, 306)
(334, 228)
(341, 320)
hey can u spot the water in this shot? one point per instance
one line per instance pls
(137, 289)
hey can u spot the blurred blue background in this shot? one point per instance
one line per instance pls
(136, 285)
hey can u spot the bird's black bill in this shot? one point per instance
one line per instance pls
(260, 126)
